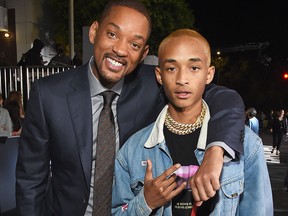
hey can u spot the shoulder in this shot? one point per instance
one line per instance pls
(3, 111)
(215, 92)
(142, 83)
(145, 69)
(58, 86)
(138, 139)
(65, 76)
(142, 72)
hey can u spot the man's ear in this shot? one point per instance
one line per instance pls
(145, 52)
(93, 31)
(210, 74)
(158, 75)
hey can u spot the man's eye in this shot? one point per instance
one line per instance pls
(111, 34)
(135, 46)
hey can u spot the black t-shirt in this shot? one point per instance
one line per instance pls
(181, 148)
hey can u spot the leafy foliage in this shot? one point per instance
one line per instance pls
(167, 16)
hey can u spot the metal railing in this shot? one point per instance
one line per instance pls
(11, 79)
(18, 78)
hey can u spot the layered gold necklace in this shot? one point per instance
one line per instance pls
(183, 129)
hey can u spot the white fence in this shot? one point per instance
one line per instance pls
(18, 78)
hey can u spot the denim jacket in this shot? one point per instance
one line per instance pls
(245, 183)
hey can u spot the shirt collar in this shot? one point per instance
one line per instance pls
(95, 85)
(157, 135)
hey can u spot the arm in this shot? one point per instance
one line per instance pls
(227, 117)
(124, 201)
(257, 186)
(33, 159)
(225, 132)
(136, 198)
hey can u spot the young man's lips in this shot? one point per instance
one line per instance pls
(182, 94)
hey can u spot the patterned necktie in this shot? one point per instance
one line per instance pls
(105, 156)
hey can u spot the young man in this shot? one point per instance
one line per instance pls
(60, 127)
(252, 120)
(149, 177)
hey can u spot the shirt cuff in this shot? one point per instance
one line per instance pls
(142, 206)
(229, 152)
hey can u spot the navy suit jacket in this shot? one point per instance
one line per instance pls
(58, 128)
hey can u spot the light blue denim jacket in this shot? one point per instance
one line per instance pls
(245, 183)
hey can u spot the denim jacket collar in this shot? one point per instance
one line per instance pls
(157, 135)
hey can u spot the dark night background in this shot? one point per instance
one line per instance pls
(255, 73)
(238, 23)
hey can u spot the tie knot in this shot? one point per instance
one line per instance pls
(108, 97)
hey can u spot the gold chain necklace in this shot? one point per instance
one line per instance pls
(183, 129)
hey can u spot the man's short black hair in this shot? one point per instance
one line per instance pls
(134, 4)
(37, 43)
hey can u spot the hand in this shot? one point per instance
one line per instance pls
(158, 191)
(205, 182)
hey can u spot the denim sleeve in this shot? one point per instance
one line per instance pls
(257, 198)
(124, 200)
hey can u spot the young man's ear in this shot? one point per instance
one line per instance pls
(210, 74)
(93, 31)
(158, 75)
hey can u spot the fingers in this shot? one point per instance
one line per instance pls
(167, 174)
(148, 174)
(159, 190)
(198, 203)
(203, 189)
(169, 186)
(174, 192)
(215, 184)
(167, 180)
(205, 181)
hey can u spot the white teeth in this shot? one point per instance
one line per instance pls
(113, 62)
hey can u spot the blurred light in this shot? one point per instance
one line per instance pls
(285, 76)
(7, 35)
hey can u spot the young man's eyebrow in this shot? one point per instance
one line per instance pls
(170, 60)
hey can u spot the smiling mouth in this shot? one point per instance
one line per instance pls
(114, 62)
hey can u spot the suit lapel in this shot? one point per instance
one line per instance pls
(79, 102)
(127, 106)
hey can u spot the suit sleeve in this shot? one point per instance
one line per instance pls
(32, 167)
(227, 117)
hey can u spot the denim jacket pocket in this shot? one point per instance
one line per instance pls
(230, 192)
(233, 187)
